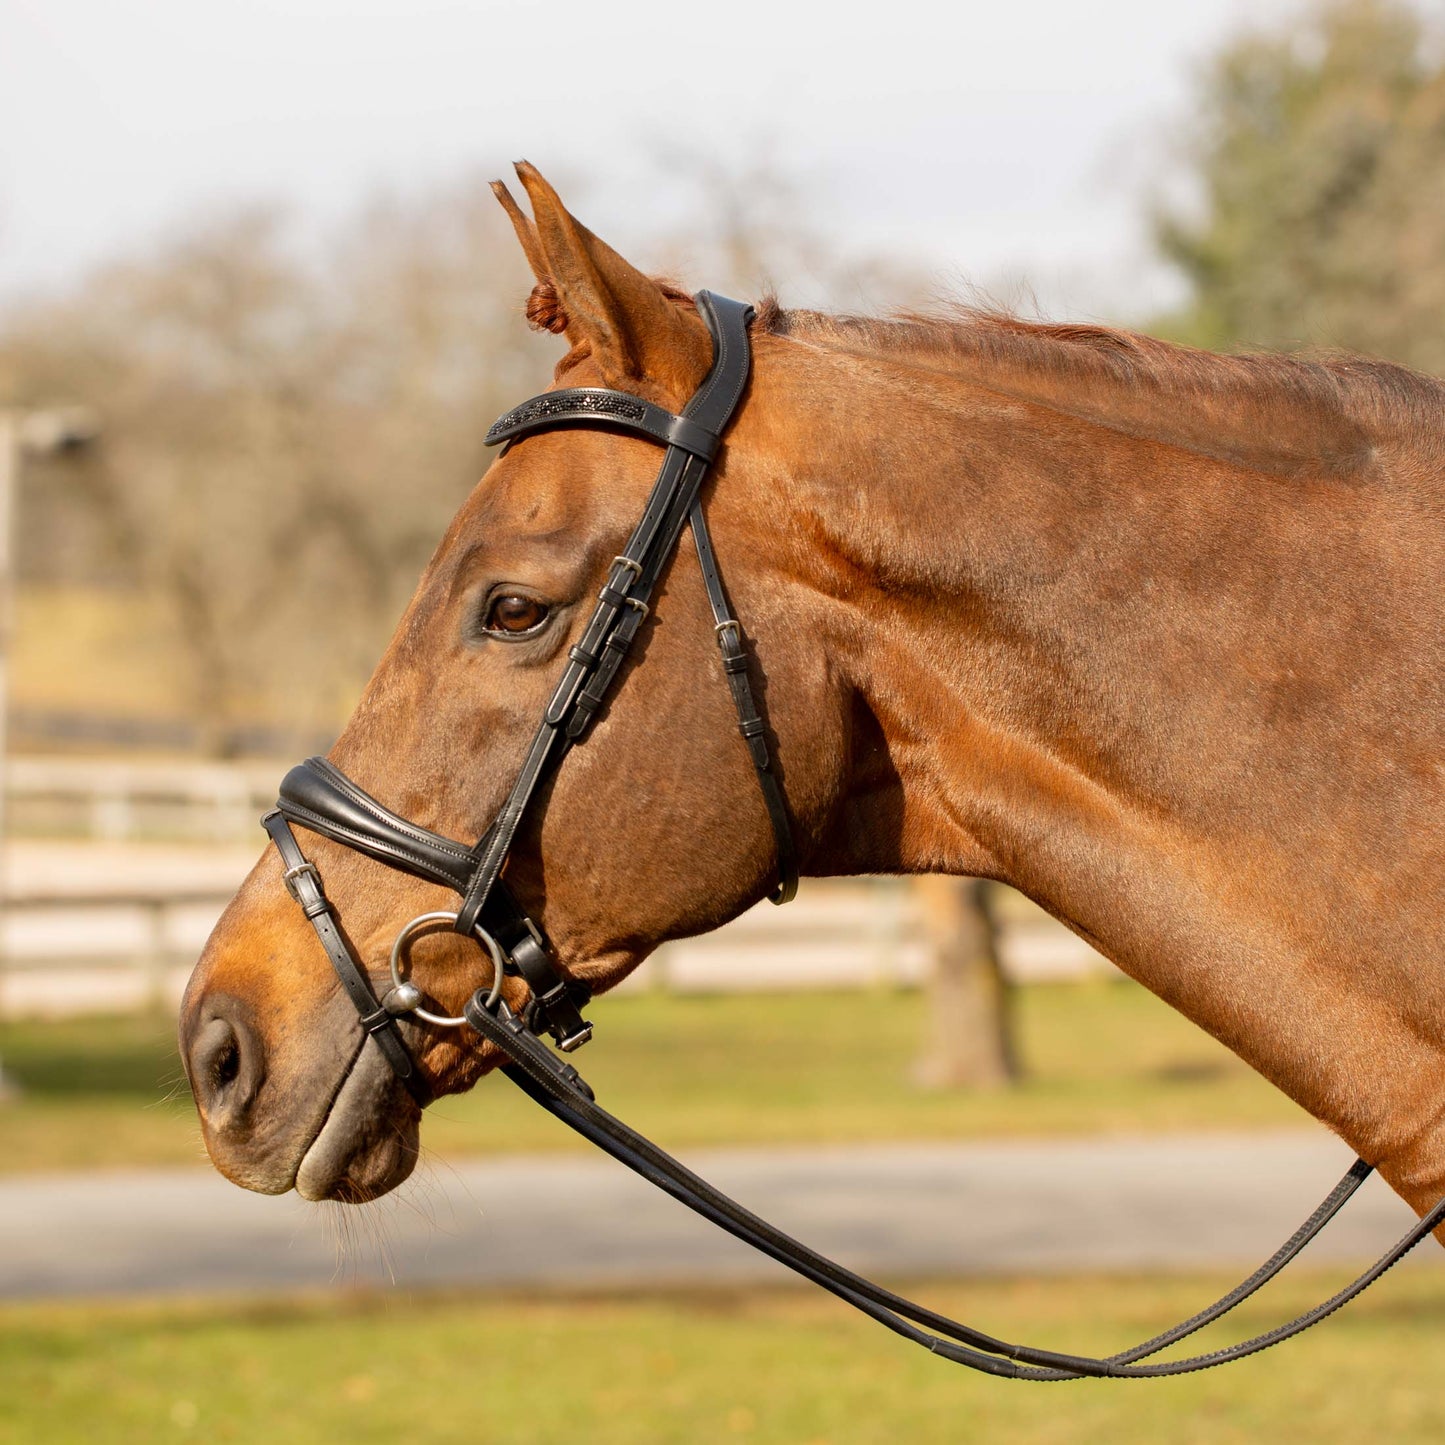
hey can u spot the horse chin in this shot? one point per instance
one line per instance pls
(368, 1141)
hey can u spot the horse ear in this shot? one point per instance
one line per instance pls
(624, 320)
(526, 232)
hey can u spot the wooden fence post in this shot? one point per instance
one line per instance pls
(970, 1041)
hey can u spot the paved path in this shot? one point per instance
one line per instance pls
(560, 1222)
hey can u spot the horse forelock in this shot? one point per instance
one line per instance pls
(545, 311)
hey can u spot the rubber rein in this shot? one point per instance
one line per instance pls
(319, 797)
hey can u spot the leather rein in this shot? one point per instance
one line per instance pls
(319, 797)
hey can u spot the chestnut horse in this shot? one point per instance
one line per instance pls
(1153, 635)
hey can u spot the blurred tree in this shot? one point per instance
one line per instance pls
(970, 1036)
(1319, 157)
(284, 442)
(751, 230)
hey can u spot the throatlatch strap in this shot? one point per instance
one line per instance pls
(729, 633)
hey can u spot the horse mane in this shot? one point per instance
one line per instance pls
(1330, 414)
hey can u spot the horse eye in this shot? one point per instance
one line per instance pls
(514, 614)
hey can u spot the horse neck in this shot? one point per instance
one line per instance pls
(1005, 590)
(1127, 677)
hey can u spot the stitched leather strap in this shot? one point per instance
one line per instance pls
(303, 883)
(730, 641)
(562, 1091)
(319, 796)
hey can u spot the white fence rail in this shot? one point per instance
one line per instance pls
(69, 952)
(66, 951)
(122, 799)
(113, 918)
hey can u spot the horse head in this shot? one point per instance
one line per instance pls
(653, 829)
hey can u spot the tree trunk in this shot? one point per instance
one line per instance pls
(970, 1025)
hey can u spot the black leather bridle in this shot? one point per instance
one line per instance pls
(318, 796)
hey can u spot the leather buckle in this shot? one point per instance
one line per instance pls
(290, 876)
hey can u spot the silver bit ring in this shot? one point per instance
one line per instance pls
(399, 980)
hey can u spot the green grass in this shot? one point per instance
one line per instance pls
(95, 1092)
(1101, 1056)
(761, 1367)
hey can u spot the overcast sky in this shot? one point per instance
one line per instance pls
(990, 141)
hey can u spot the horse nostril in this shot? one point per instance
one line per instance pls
(226, 1066)
(223, 1072)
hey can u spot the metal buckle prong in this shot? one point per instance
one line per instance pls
(638, 605)
(631, 564)
(722, 627)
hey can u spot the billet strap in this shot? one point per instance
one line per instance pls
(303, 883)
(563, 1092)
